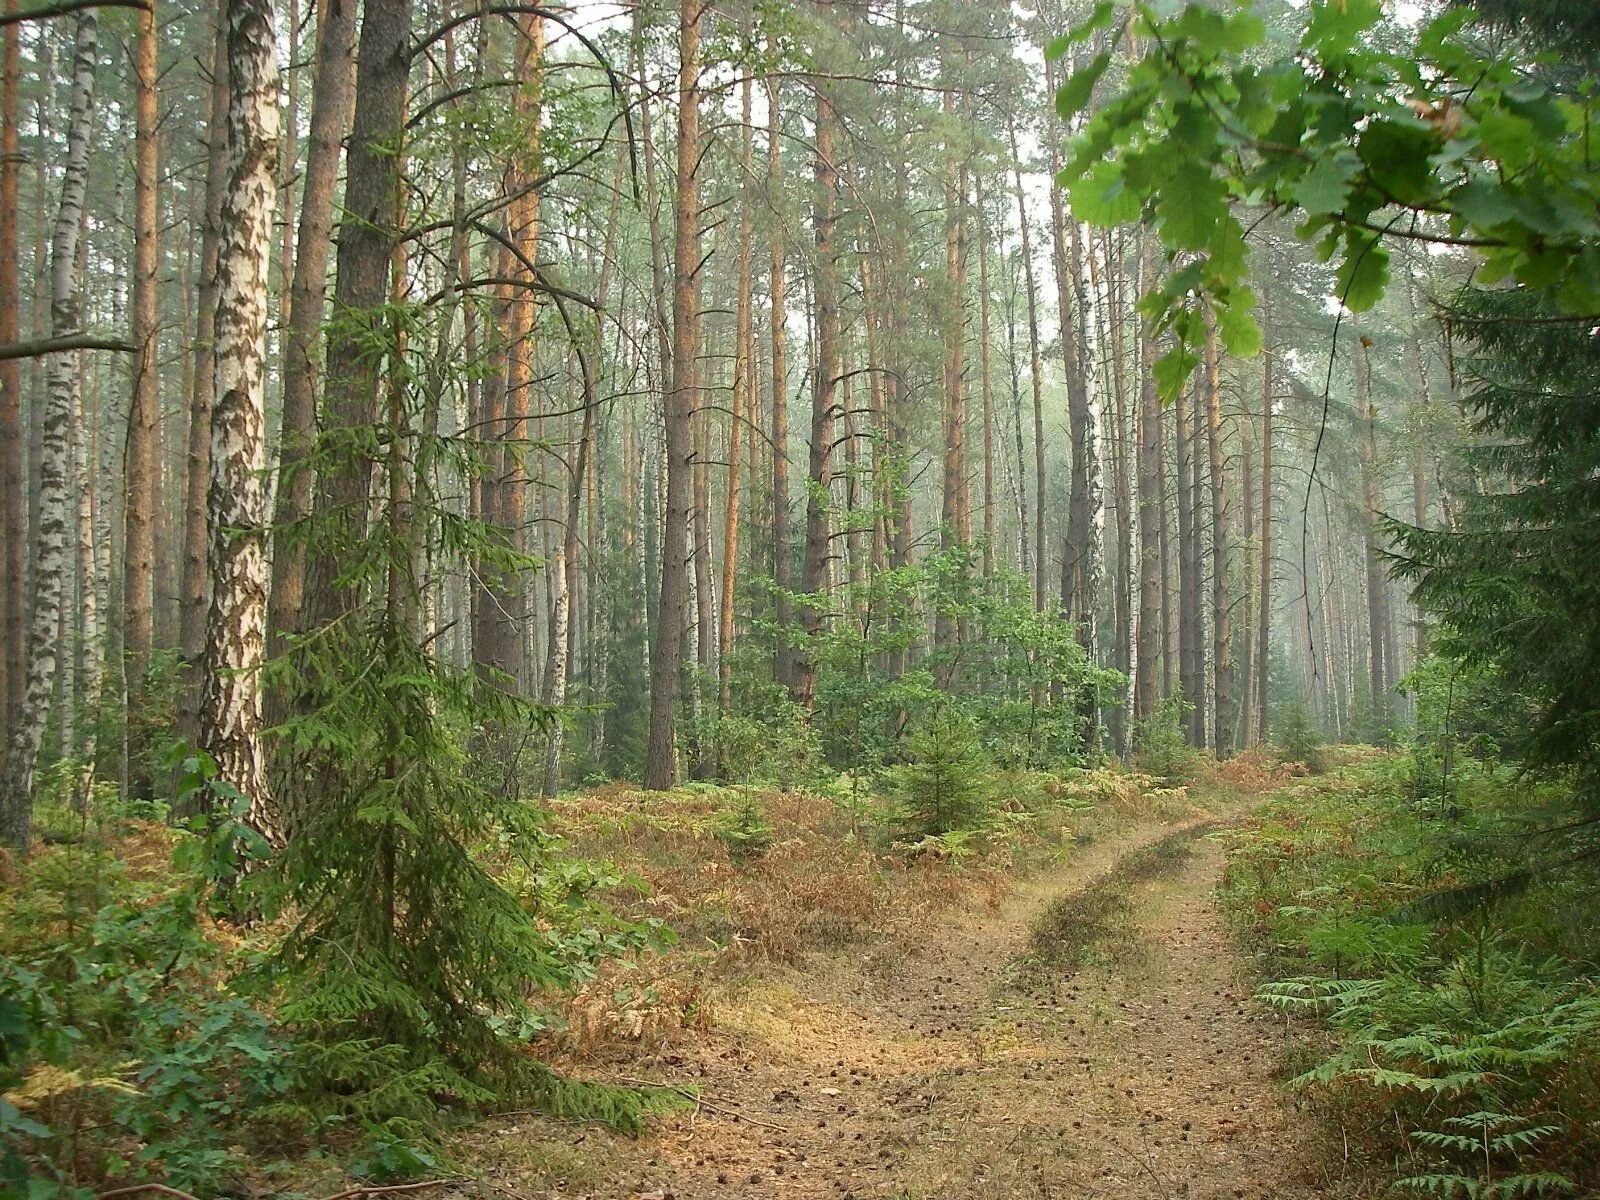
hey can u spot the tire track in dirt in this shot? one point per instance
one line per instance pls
(926, 1069)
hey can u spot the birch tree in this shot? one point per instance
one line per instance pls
(236, 634)
(56, 509)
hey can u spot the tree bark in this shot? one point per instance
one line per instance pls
(361, 292)
(1264, 619)
(1377, 595)
(332, 94)
(13, 527)
(783, 667)
(194, 584)
(51, 564)
(1222, 697)
(679, 402)
(740, 401)
(1036, 370)
(1191, 649)
(814, 568)
(140, 468)
(236, 639)
(1147, 666)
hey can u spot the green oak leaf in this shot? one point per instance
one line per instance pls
(1074, 95)
(1324, 188)
(1100, 196)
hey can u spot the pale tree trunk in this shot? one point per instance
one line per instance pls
(51, 563)
(566, 563)
(140, 467)
(13, 529)
(783, 667)
(985, 382)
(742, 405)
(1122, 604)
(1377, 594)
(194, 583)
(1151, 517)
(236, 635)
(1264, 620)
(90, 673)
(814, 567)
(679, 401)
(1191, 650)
(1036, 373)
(332, 93)
(1222, 697)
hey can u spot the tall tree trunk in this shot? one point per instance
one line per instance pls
(742, 405)
(1222, 697)
(13, 528)
(783, 669)
(1377, 592)
(194, 584)
(236, 638)
(51, 564)
(1122, 603)
(332, 95)
(558, 665)
(508, 608)
(1036, 369)
(141, 476)
(1264, 620)
(679, 402)
(955, 526)
(814, 567)
(1077, 567)
(1191, 648)
(361, 293)
(1146, 688)
(985, 383)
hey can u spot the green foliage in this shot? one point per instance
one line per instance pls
(122, 1040)
(1296, 736)
(942, 789)
(1021, 676)
(1159, 745)
(1360, 132)
(1514, 584)
(743, 828)
(430, 907)
(1468, 1014)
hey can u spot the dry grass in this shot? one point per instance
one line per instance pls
(823, 883)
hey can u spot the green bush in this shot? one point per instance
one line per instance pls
(1454, 973)
(1296, 737)
(1159, 746)
(943, 788)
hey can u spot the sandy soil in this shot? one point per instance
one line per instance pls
(931, 1069)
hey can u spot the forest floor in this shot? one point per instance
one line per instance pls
(1085, 1034)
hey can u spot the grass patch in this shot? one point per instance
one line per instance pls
(1079, 926)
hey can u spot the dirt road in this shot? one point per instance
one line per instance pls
(941, 1068)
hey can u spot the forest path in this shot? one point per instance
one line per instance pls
(934, 1067)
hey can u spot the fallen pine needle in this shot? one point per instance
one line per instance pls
(703, 1102)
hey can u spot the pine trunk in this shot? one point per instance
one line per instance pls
(814, 567)
(679, 402)
(332, 94)
(140, 469)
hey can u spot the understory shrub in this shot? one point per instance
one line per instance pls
(1443, 952)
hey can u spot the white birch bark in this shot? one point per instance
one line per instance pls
(56, 510)
(236, 629)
